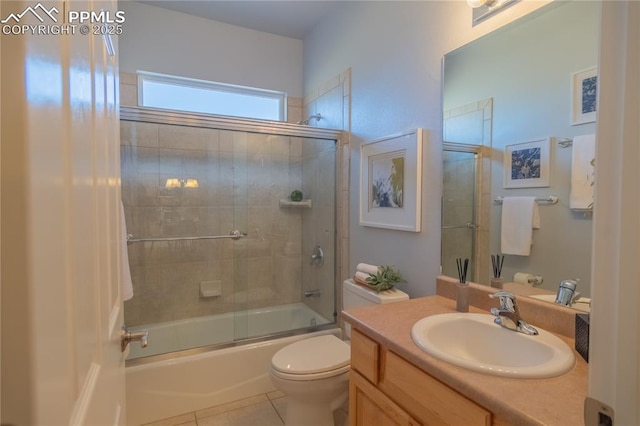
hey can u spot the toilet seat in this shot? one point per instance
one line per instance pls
(312, 359)
(311, 377)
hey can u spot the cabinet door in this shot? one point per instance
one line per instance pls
(365, 356)
(433, 402)
(368, 406)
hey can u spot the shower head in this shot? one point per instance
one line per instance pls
(306, 122)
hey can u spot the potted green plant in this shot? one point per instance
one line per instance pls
(386, 278)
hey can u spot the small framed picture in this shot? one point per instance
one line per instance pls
(526, 165)
(584, 96)
(390, 182)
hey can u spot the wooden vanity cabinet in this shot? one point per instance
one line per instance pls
(385, 389)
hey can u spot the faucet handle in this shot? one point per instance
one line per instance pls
(507, 300)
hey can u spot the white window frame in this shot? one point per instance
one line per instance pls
(143, 76)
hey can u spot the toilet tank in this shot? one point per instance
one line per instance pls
(355, 295)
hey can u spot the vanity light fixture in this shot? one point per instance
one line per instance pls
(172, 183)
(181, 183)
(482, 9)
(191, 183)
(477, 3)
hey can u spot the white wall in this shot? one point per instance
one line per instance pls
(394, 50)
(160, 40)
(526, 69)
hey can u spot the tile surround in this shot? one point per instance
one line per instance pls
(241, 178)
(549, 316)
(213, 157)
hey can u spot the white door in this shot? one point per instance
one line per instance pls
(60, 186)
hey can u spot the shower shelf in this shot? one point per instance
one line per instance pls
(296, 204)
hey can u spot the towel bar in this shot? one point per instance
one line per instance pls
(551, 199)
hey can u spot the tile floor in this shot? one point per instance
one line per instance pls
(261, 410)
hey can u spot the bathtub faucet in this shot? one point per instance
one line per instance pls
(312, 293)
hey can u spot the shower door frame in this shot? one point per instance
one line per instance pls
(479, 222)
(179, 118)
(221, 122)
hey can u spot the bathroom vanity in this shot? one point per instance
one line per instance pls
(379, 376)
(393, 382)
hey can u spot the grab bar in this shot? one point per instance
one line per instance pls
(469, 225)
(234, 235)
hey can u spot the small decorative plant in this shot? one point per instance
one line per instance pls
(296, 196)
(386, 278)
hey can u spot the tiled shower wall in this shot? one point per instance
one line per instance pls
(333, 101)
(319, 224)
(241, 178)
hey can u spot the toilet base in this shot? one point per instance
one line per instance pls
(304, 413)
(312, 403)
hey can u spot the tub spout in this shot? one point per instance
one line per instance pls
(312, 293)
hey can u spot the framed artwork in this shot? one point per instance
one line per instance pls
(526, 165)
(584, 96)
(390, 181)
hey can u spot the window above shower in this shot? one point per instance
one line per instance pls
(192, 95)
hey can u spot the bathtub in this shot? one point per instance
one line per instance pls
(175, 383)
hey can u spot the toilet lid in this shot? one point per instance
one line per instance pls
(313, 355)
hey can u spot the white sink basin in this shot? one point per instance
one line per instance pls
(582, 303)
(475, 342)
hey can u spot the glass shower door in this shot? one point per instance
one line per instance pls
(182, 184)
(273, 265)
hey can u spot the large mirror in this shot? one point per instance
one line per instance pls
(510, 87)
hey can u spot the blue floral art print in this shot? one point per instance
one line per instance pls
(589, 94)
(388, 183)
(525, 164)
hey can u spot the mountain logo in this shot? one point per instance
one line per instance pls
(38, 11)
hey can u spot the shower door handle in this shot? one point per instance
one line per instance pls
(127, 336)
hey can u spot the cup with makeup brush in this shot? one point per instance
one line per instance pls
(462, 288)
(496, 263)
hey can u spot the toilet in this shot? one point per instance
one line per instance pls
(314, 373)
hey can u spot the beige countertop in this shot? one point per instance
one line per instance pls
(553, 401)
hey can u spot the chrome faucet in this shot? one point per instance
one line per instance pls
(508, 315)
(567, 293)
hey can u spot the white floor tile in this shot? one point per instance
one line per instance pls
(261, 414)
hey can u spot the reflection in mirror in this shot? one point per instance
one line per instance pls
(458, 210)
(525, 69)
(464, 222)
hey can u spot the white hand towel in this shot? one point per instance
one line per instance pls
(126, 285)
(362, 276)
(519, 217)
(582, 172)
(365, 267)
